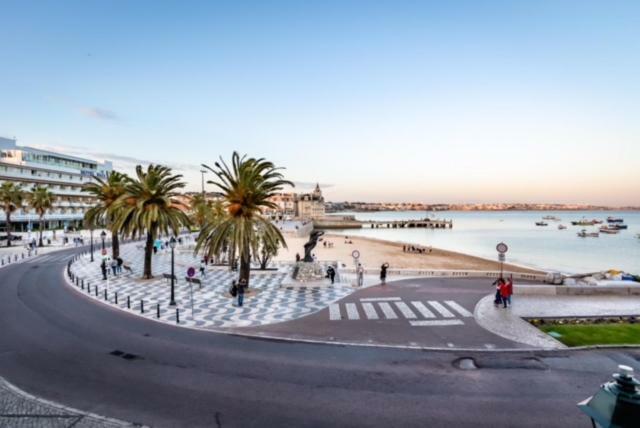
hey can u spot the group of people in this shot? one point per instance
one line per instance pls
(237, 290)
(416, 249)
(327, 244)
(115, 265)
(504, 291)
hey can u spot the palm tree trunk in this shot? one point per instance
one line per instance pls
(8, 227)
(115, 244)
(40, 226)
(148, 251)
(245, 266)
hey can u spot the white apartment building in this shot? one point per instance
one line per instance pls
(62, 174)
(310, 205)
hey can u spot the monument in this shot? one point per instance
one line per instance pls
(308, 269)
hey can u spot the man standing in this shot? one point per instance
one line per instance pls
(360, 275)
(331, 273)
(241, 286)
(383, 273)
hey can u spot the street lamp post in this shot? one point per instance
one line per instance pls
(203, 172)
(103, 235)
(91, 234)
(172, 244)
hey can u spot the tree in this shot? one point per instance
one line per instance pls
(11, 199)
(41, 200)
(267, 250)
(149, 206)
(105, 211)
(247, 188)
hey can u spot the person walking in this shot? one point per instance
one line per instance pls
(241, 286)
(360, 275)
(497, 283)
(331, 273)
(383, 273)
(203, 269)
(509, 289)
(103, 268)
(504, 293)
(114, 267)
(120, 263)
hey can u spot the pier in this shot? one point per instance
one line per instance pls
(399, 224)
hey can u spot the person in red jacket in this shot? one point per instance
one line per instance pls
(504, 293)
(510, 289)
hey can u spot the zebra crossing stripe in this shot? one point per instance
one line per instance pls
(380, 299)
(352, 311)
(424, 311)
(435, 323)
(406, 311)
(334, 312)
(441, 309)
(370, 311)
(387, 311)
(459, 309)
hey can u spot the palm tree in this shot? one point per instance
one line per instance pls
(200, 209)
(41, 200)
(11, 199)
(247, 188)
(148, 205)
(107, 193)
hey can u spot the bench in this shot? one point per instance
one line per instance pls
(194, 281)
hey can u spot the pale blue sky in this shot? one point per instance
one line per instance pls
(456, 101)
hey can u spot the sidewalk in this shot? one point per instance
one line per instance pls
(509, 324)
(20, 409)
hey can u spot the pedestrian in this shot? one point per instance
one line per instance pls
(241, 286)
(103, 268)
(504, 293)
(509, 289)
(114, 267)
(497, 283)
(360, 275)
(297, 257)
(155, 249)
(203, 268)
(383, 273)
(331, 273)
(120, 263)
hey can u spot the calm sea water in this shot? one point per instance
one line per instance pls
(477, 233)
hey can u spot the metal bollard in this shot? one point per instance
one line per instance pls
(106, 297)
(22, 256)
(128, 302)
(96, 291)
(158, 310)
(177, 315)
(116, 297)
(142, 306)
(82, 283)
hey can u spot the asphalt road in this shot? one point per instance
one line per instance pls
(59, 345)
(419, 312)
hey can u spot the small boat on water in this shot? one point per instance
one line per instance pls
(609, 230)
(551, 217)
(541, 223)
(618, 226)
(584, 234)
(561, 227)
(597, 221)
(615, 220)
(584, 222)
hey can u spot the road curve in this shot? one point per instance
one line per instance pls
(59, 345)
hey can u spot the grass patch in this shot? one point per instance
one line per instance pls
(595, 334)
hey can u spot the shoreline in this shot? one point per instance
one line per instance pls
(375, 251)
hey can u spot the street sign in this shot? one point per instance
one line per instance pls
(355, 254)
(502, 248)
(501, 257)
(191, 271)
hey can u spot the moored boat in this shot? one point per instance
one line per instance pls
(611, 219)
(551, 217)
(583, 222)
(584, 234)
(618, 226)
(541, 223)
(561, 227)
(609, 230)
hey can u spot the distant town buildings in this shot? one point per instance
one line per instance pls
(298, 205)
(62, 174)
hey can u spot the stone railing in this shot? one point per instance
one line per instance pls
(436, 273)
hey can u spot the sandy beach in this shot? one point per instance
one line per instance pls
(374, 252)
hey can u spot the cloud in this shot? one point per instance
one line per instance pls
(99, 113)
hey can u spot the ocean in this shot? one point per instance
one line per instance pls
(542, 247)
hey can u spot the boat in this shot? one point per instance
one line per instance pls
(584, 234)
(608, 229)
(541, 223)
(618, 226)
(615, 219)
(561, 227)
(597, 221)
(583, 222)
(551, 217)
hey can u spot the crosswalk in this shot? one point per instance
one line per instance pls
(418, 313)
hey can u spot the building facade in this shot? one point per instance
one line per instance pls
(310, 205)
(61, 174)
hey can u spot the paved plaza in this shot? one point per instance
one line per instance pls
(269, 300)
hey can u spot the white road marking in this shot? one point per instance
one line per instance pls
(406, 311)
(459, 309)
(387, 311)
(370, 311)
(352, 311)
(334, 312)
(432, 323)
(380, 299)
(423, 310)
(441, 309)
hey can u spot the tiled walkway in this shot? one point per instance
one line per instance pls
(268, 302)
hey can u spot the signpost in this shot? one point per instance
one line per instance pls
(356, 257)
(190, 273)
(502, 248)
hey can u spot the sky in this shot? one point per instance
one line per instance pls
(423, 101)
